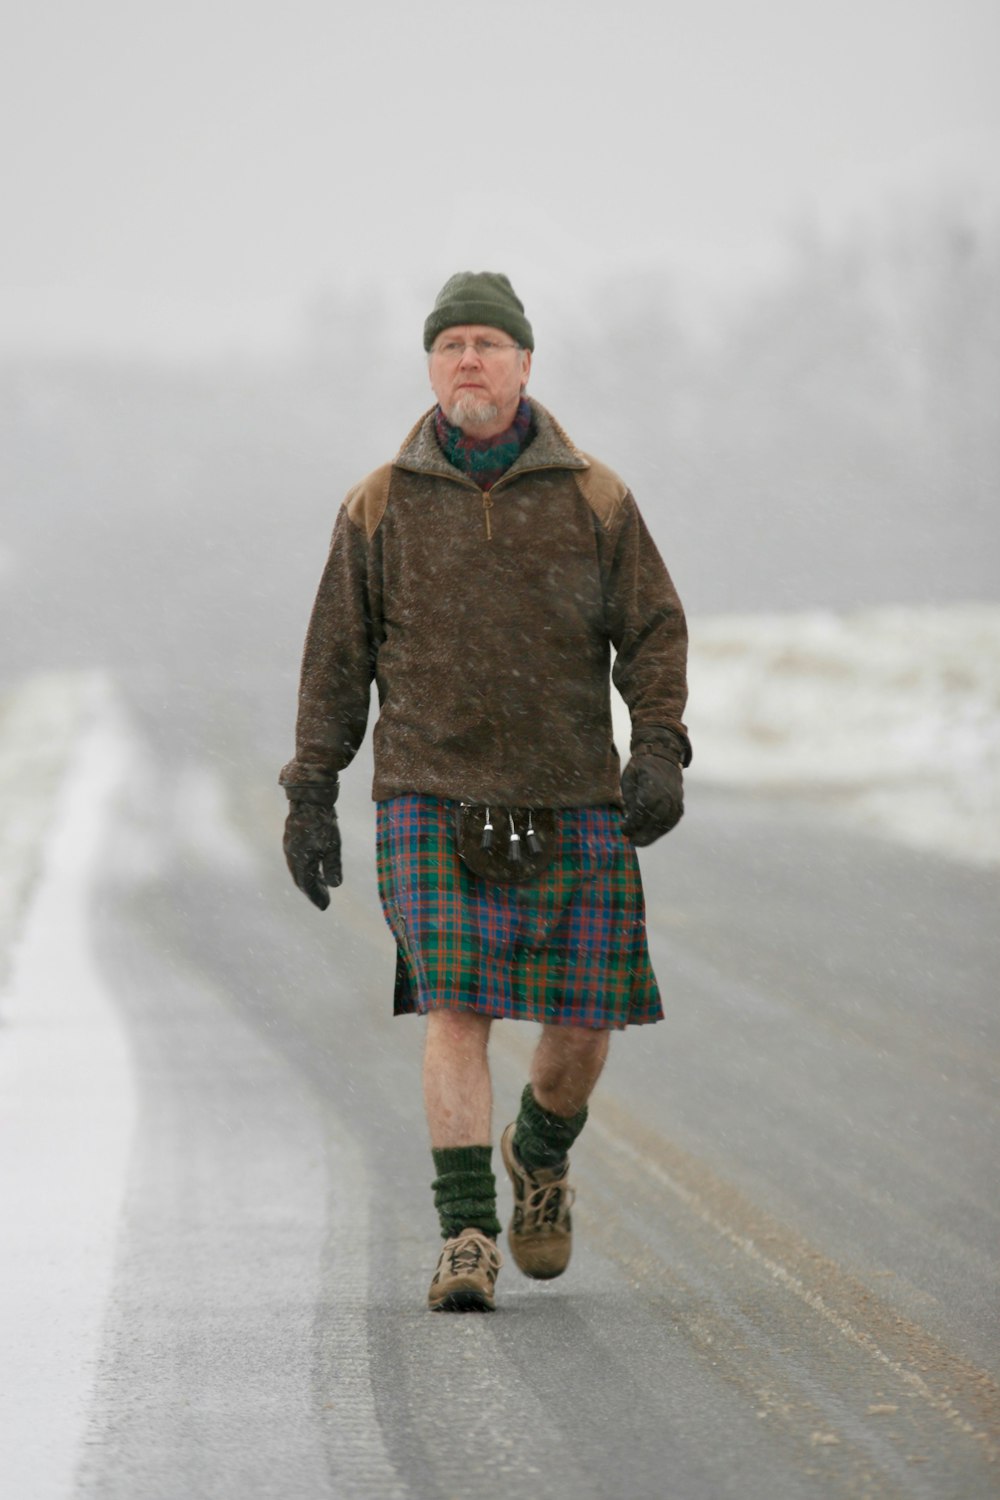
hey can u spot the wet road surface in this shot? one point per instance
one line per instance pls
(785, 1278)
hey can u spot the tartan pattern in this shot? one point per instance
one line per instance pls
(568, 948)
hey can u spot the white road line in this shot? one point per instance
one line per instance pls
(67, 1111)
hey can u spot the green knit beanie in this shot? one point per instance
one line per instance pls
(485, 297)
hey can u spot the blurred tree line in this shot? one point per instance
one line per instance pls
(834, 443)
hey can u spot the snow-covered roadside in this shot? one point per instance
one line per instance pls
(885, 718)
(67, 1105)
(40, 726)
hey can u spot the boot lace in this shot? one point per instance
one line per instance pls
(466, 1253)
(548, 1206)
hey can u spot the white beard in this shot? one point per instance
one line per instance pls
(470, 412)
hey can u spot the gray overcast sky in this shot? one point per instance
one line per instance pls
(186, 175)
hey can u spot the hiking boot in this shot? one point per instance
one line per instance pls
(466, 1274)
(540, 1233)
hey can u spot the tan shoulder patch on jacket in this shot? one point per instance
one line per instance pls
(366, 502)
(602, 489)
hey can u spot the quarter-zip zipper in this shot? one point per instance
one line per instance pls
(487, 495)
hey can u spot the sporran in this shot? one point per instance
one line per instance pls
(505, 845)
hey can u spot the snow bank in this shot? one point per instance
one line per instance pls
(67, 1105)
(41, 722)
(888, 717)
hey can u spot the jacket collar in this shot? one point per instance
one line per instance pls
(549, 449)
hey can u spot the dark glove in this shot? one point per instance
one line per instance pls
(653, 793)
(312, 841)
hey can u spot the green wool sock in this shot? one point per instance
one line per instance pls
(465, 1190)
(542, 1139)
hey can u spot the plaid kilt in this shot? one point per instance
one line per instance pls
(568, 948)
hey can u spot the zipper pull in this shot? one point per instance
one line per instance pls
(487, 507)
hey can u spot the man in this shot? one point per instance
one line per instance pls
(482, 579)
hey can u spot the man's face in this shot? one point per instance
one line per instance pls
(478, 388)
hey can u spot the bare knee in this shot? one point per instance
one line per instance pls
(458, 1031)
(567, 1065)
(574, 1045)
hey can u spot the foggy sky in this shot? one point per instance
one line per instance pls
(186, 177)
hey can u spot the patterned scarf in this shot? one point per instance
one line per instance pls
(485, 459)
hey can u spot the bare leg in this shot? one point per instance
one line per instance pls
(458, 1095)
(567, 1064)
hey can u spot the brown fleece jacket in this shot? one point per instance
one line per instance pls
(487, 621)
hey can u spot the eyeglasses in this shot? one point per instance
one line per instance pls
(485, 348)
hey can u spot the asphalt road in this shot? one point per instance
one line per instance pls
(785, 1280)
